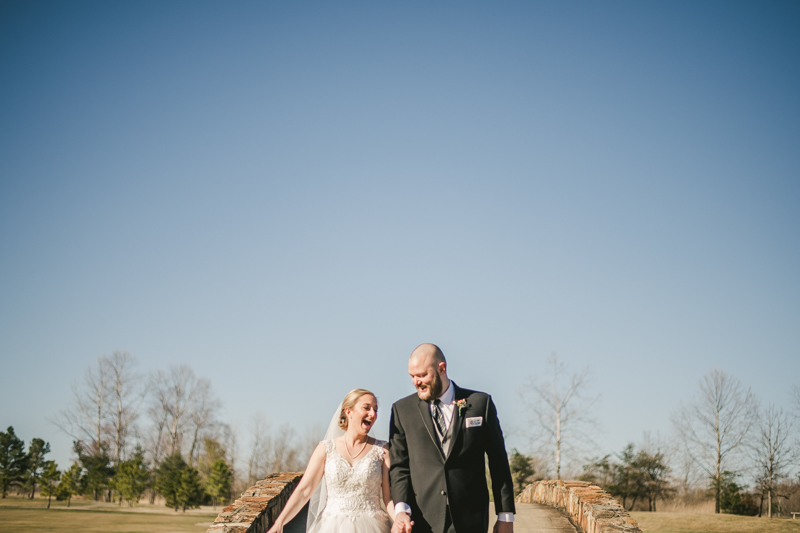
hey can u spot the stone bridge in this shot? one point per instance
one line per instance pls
(546, 506)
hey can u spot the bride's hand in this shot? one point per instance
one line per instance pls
(402, 523)
(402, 528)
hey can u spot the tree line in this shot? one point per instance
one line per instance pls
(724, 446)
(94, 474)
(152, 436)
(159, 436)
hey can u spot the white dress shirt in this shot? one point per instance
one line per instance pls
(447, 398)
(448, 407)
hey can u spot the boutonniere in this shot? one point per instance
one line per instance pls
(461, 404)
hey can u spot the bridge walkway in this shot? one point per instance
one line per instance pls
(535, 518)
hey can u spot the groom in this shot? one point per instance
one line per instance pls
(437, 441)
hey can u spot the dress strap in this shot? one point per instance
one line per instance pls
(379, 447)
(329, 445)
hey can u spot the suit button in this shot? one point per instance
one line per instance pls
(444, 493)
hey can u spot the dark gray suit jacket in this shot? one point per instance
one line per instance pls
(426, 480)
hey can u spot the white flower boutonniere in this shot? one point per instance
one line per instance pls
(461, 404)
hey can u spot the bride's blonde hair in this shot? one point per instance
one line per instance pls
(349, 402)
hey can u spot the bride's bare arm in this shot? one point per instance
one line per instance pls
(302, 493)
(387, 492)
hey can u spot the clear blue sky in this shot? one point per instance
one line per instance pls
(290, 196)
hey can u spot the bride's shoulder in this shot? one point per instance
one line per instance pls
(327, 444)
(380, 444)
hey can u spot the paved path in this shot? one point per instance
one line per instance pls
(535, 518)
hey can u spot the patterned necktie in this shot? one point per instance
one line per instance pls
(438, 417)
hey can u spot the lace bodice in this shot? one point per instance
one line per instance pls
(354, 491)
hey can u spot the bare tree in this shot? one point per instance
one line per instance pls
(685, 472)
(273, 451)
(772, 452)
(311, 438)
(259, 449)
(796, 401)
(284, 455)
(713, 427)
(158, 412)
(202, 411)
(126, 397)
(228, 436)
(181, 407)
(86, 418)
(182, 382)
(562, 412)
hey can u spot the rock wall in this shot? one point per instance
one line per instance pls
(590, 508)
(258, 507)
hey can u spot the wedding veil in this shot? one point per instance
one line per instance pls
(317, 502)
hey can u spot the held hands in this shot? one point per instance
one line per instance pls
(402, 523)
(503, 527)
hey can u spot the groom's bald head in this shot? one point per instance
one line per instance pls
(428, 370)
(427, 353)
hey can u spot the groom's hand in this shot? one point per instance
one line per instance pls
(402, 523)
(503, 527)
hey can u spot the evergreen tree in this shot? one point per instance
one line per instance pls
(636, 475)
(627, 482)
(13, 460)
(618, 478)
(168, 479)
(218, 483)
(131, 477)
(600, 472)
(190, 491)
(50, 476)
(178, 483)
(96, 468)
(652, 476)
(70, 483)
(36, 463)
(212, 452)
(732, 499)
(521, 470)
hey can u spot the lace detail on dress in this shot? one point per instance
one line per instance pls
(354, 491)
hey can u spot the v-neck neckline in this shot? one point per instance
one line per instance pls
(352, 465)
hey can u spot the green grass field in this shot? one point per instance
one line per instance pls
(712, 523)
(18, 515)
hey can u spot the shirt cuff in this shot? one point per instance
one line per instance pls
(505, 517)
(402, 507)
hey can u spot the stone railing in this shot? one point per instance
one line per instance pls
(258, 507)
(589, 508)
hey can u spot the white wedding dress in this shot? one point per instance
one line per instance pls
(354, 493)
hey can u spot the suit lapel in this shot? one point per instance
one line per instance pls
(457, 419)
(427, 420)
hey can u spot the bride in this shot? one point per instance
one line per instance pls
(350, 473)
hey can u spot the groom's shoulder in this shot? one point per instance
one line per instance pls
(471, 394)
(411, 399)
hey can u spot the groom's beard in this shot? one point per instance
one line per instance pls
(431, 391)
